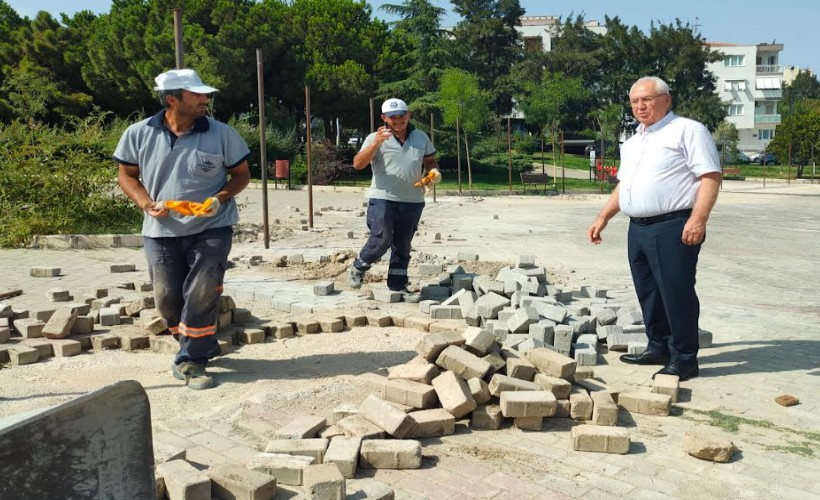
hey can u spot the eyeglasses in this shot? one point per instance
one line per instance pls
(645, 99)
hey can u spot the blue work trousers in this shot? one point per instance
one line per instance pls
(392, 226)
(663, 271)
(187, 274)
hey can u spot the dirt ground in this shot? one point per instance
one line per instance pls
(758, 289)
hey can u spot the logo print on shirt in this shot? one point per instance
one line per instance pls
(207, 165)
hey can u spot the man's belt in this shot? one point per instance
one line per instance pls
(645, 221)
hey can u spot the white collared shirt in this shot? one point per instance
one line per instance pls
(661, 166)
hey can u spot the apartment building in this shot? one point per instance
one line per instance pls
(750, 83)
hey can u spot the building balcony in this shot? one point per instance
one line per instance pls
(769, 69)
(775, 119)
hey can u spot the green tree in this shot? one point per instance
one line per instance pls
(426, 53)
(488, 45)
(804, 86)
(546, 103)
(45, 73)
(726, 138)
(340, 48)
(609, 120)
(798, 135)
(465, 108)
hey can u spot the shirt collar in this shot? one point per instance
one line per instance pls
(158, 121)
(657, 125)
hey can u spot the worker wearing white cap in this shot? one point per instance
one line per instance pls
(404, 162)
(181, 155)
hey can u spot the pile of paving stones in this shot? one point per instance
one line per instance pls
(505, 348)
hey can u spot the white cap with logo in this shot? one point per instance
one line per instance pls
(182, 79)
(394, 106)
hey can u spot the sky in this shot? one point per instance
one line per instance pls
(794, 23)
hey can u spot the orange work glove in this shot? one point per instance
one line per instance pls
(207, 208)
(432, 177)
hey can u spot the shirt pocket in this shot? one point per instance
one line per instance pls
(206, 164)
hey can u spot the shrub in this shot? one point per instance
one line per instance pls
(55, 181)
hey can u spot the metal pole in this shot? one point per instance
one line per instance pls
(563, 169)
(433, 140)
(309, 147)
(263, 155)
(372, 117)
(178, 50)
(509, 152)
(458, 153)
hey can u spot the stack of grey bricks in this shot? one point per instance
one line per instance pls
(523, 311)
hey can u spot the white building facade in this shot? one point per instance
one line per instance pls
(750, 83)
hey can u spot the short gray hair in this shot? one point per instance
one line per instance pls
(165, 93)
(661, 87)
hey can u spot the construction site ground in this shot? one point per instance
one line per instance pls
(757, 281)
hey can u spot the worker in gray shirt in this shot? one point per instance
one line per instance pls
(183, 169)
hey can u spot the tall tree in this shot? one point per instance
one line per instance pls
(804, 86)
(340, 48)
(798, 135)
(45, 83)
(465, 108)
(489, 45)
(426, 53)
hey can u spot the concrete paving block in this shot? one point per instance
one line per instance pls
(323, 288)
(488, 305)
(715, 448)
(109, 316)
(386, 296)
(44, 272)
(29, 328)
(496, 362)
(184, 481)
(620, 341)
(528, 345)
(600, 439)
(44, 348)
(287, 469)
(552, 363)
(636, 347)
(529, 423)
(60, 323)
(301, 427)
(435, 292)
(585, 355)
(105, 341)
(462, 363)
(43, 314)
(407, 392)
(58, 295)
(520, 368)
(480, 390)
(358, 426)
(156, 326)
(379, 319)
(83, 324)
(324, 482)
(645, 403)
(238, 482)
(21, 354)
(527, 404)
(344, 452)
(559, 387)
(454, 394)
(478, 341)
(369, 488)
(307, 326)
(704, 339)
(543, 330)
(432, 345)
(64, 348)
(428, 269)
(341, 411)
(392, 454)
(487, 417)
(331, 325)
(392, 420)
(604, 409)
(629, 316)
(422, 373)
(282, 330)
(501, 383)
(581, 405)
(313, 447)
(123, 268)
(435, 422)
(355, 319)
(666, 384)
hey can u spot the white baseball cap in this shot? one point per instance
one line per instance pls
(185, 79)
(394, 106)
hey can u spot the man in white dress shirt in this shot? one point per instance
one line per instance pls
(669, 180)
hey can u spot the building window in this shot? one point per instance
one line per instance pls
(533, 44)
(734, 85)
(734, 109)
(735, 60)
(765, 134)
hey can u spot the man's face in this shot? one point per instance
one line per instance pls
(648, 106)
(398, 122)
(193, 105)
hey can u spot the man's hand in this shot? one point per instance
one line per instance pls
(382, 135)
(211, 206)
(595, 230)
(435, 175)
(155, 209)
(693, 232)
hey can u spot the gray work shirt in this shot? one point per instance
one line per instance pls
(191, 167)
(397, 167)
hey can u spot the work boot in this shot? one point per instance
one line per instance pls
(194, 375)
(355, 278)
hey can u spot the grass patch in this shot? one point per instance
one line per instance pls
(732, 423)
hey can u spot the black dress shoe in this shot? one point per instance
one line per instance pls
(645, 358)
(684, 371)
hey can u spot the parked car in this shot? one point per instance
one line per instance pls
(737, 157)
(765, 159)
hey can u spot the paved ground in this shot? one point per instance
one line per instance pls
(758, 288)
